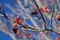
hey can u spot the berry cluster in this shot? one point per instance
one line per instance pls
(17, 20)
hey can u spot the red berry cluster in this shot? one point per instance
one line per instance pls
(44, 9)
(17, 20)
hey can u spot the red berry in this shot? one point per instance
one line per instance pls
(44, 10)
(58, 17)
(20, 21)
(14, 25)
(18, 18)
(41, 9)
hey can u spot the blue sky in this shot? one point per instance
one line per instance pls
(4, 36)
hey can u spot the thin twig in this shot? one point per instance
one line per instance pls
(40, 13)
